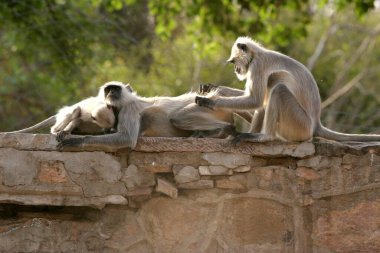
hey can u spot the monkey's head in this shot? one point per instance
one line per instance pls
(103, 116)
(242, 54)
(116, 94)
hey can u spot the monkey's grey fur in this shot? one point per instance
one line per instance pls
(286, 92)
(90, 116)
(153, 116)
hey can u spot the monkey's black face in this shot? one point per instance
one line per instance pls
(241, 58)
(112, 92)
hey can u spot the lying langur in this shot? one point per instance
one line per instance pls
(154, 116)
(291, 103)
(158, 121)
(89, 116)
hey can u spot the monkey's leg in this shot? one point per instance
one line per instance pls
(284, 117)
(154, 122)
(68, 129)
(62, 122)
(196, 118)
(257, 121)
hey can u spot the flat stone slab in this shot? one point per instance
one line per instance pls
(47, 142)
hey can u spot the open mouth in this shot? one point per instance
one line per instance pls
(237, 69)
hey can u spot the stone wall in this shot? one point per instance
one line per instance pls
(189, 195)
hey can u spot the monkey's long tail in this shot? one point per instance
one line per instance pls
(41, 125)
(324, 132)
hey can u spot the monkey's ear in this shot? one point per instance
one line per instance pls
(242, 46)
(128, 87)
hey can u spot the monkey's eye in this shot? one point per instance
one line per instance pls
(93, 118)
(242, 47)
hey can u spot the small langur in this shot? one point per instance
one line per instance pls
(89, 116)
(286, 92)
(154, 116)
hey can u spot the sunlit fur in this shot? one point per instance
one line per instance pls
(242, 59)
(90, 116)
(89, 110)
(156, 116)
(285, 89)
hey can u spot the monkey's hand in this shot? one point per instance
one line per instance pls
(61, 136)
(206, 88)
(70, 142)
(205, 102)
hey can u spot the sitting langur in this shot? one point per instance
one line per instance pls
(284, 88)
(154, 116)
(89, 116)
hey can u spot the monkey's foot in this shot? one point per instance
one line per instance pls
(206, 88)
(70, 142)
(206, 133)
(61, 136)
(257, 137)
(205, 102)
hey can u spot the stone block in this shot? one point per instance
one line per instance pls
(139, 191)
(128, 232)
(242, 169)
(265, 224)
(238, 182)
(166, 188)
(307, 173)
(214, 170)
(52, 172)
(102, 188)
(135, 177)
(257, 162)
(320, 162)
(351, 228)
(226, 159)
(164, 158)
(18, 167)
(185, 174)
(156, 168)
(177, 225)
(200, 184)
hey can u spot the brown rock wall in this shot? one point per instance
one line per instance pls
(189, 195)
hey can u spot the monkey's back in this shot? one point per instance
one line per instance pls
(304, 86)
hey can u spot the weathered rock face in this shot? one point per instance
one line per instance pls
(189, 195)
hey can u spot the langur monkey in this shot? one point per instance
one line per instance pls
(154, 116)
(89, 116)
(284, 88)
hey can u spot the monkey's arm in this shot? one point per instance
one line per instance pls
(252, 98)
(219, 90)
(224, 91)
(67, 130)
(65, 119)
(126, 135)
(245, 102)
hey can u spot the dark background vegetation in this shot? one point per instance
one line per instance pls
(57, 52)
